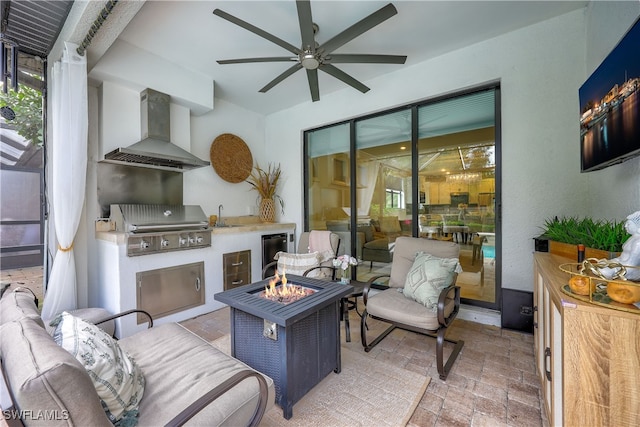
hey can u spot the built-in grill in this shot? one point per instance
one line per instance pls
(161, 228)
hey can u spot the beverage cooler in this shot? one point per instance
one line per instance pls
(272, 244)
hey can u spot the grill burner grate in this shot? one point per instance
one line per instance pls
(161, 228)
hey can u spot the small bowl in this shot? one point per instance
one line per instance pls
(580, 284)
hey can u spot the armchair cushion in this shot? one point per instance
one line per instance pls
(116, 376)
(391, 304)
(428, 276)
(299, 263)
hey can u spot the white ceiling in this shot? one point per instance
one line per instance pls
(189, 34)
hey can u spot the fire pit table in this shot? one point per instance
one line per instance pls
(296, 342)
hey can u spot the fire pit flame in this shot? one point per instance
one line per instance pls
(284, 292)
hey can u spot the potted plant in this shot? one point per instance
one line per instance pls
(601, 238)
(265, 183)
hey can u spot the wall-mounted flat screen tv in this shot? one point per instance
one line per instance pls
(610, 107)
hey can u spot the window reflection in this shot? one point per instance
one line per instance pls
(456, 185)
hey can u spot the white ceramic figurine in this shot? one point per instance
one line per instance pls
(630, 255)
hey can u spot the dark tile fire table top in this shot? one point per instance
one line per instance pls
(247, 299)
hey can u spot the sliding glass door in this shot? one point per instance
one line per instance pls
(428, 170)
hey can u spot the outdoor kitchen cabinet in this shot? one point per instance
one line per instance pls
(237, 269)
(586, 355)
(170, 290)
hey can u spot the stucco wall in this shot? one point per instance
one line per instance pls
(540, 69)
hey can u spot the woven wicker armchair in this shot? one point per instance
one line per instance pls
(392, 306)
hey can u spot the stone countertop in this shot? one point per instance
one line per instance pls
(119, 237)
(247, 228)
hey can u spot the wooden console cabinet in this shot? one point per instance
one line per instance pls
(587, 356)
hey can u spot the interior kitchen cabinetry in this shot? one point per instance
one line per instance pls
(587, 356)
(237, 269)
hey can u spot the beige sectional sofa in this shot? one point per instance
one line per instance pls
(187, 379)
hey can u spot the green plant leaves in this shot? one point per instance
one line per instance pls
(27, 105)
(598, 234)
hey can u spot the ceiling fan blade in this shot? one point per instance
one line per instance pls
(341, 75)
(306, 25)
(224, 15)
(345, 58)
(281, 77)
(312, 76)
(266, 59)
(359, 27)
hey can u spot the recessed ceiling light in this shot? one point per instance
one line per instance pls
(402, 147)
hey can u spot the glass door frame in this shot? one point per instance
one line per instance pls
(413, 107)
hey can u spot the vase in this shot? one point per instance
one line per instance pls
(267, 210)
(344, 276)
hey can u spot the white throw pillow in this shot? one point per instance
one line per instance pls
(428, 276)
(115, 375)
(299, 263)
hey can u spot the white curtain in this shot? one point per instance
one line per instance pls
(68, 148)
(368, 177)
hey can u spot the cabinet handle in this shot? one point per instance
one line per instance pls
(547, 355)
(235, 264)
(535, 309)
(237, 282)
(197, 284)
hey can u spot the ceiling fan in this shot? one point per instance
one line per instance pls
(312, 56)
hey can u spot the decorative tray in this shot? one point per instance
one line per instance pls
(587, 283)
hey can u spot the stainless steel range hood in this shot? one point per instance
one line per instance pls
(155, 150)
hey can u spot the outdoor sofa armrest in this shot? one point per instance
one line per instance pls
(218, 391)
(124, 313)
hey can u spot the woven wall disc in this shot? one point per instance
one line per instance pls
(231, 158)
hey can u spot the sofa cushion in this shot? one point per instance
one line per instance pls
(290, 263)
(390, 224)
(18, 304)
(368, 232)
(428, 276)
(378, 244)
(179, 367)
(46, 379)
(116, 377)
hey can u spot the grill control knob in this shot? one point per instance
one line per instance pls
(164, 243)
(199, 239)
(144, 244)
(192, 239)
(182, 241)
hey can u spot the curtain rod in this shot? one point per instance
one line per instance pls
(104, 13)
